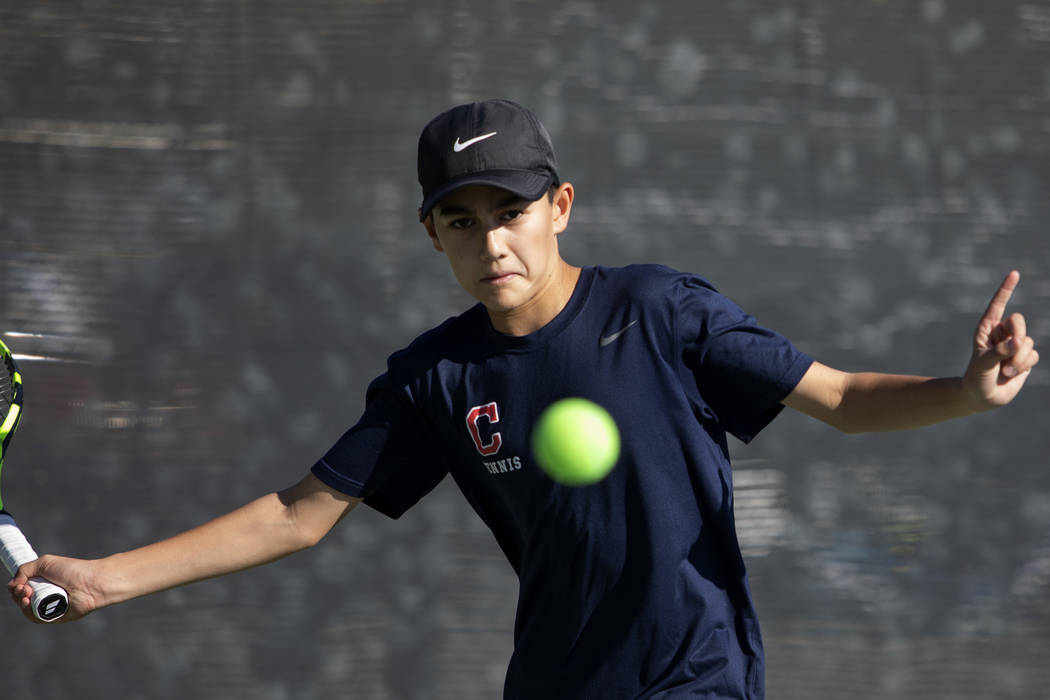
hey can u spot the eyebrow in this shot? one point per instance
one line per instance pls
(460, 210)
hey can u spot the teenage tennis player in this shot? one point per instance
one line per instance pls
(632, 587)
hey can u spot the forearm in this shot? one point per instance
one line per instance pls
(264, 530)
(872, 402)
(259, 532)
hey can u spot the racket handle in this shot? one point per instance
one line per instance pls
(50, 602)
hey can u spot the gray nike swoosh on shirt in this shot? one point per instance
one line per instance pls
(606, 339)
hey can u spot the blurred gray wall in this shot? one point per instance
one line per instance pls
(207, 220)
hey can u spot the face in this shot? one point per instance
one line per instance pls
(503, 251)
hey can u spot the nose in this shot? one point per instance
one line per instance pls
(494, 244)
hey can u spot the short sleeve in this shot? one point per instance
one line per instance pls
(741, 370)
(388, 458)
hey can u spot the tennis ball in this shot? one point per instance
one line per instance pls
(576, 441)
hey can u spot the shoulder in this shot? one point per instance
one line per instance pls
(685, 305)
(654, 283)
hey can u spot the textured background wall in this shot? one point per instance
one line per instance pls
(208, 231)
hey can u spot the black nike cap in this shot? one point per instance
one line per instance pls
(495, 142)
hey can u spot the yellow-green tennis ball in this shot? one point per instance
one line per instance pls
(576, 441)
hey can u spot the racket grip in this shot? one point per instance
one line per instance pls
(49, 601)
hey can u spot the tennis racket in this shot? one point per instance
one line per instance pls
(49, 601)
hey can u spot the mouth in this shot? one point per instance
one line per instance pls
(498, 278)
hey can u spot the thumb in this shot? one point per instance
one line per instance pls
(22, 575)
(19, 585)
(989, 358)
(29, 569)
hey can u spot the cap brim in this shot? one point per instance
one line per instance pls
(523, 183)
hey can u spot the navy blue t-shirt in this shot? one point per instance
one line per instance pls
(631, 587)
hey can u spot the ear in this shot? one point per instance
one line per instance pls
(561, 207)
(428, 224)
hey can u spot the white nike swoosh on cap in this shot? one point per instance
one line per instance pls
(457, 146)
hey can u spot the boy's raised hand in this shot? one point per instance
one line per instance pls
(1003, 353)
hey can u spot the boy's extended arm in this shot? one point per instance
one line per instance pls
(262, 531)
(1003, 356)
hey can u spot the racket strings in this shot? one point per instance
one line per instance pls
(7, 392)
(8, 387)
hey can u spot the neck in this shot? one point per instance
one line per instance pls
(542, 308)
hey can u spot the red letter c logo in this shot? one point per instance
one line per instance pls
(491, 412)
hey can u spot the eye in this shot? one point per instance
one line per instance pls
(461, 223)
(511, 214)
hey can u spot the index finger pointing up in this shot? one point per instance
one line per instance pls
(997, 306)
